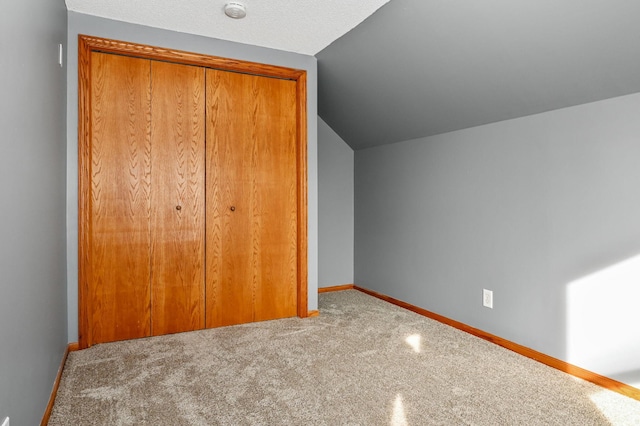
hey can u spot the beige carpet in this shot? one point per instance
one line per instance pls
(362, 362)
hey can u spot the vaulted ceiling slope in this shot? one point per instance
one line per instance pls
(417, 68)
(301, 26)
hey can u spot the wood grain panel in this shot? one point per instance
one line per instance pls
(274, 198)
(251, 198)
(229, 273)
(87, 47)
(118, 276)
(177, 197)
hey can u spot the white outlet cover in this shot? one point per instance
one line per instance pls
(487, 298)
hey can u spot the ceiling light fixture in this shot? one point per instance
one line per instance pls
(235, 10)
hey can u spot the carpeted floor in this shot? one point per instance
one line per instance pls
(361, 362)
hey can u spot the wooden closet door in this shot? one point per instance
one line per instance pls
(119, 263)
(177, 197)
(251, 199)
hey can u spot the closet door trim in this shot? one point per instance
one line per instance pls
(87, 45)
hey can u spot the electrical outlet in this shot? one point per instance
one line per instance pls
(5, 421)
(487, 298)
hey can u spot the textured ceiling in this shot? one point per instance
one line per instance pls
(421, 67)
(301, 26)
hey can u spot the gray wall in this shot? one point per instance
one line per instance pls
(543, 210)
(32, 187)
(335, 214)
(92, 25)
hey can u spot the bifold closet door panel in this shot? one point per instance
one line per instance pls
(119, 267)
(275, 200)
(177, 197)
(229, 252)
(251, 199)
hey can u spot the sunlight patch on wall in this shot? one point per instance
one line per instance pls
(414, 341)
(603, 324)
(398, 417)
